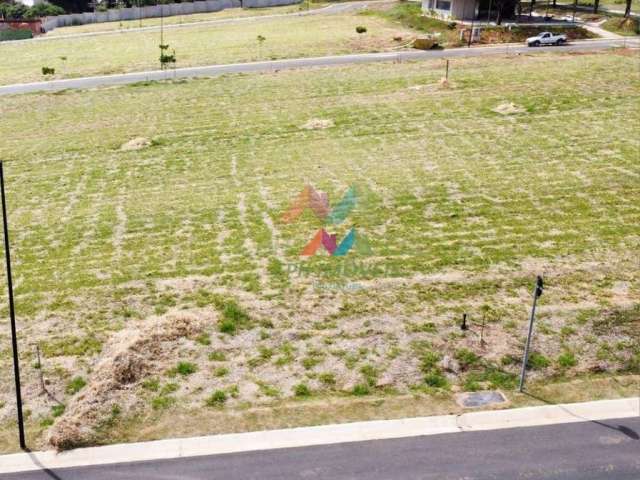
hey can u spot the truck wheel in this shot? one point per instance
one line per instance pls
(536, 43)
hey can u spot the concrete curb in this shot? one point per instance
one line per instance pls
(323, 435)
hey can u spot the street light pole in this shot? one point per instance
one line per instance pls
(12, 313)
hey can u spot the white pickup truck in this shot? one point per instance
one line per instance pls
(546, 38)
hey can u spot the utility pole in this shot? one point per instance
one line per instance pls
(12, 313)
(537, 292)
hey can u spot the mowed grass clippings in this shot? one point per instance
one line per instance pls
(289, 37)
(518, 167)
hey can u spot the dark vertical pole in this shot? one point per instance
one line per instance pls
(12, 313)
(536, 294)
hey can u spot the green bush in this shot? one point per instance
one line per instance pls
(466, 358)
(75, 385)
(567, 360)
(233, 316)
(360, 390)
(162, 402)
(43, 10)
(185, 368)
(428, 361)
(21, 34)
(361, 29)
(436, 380)
(217, 399)
(301, 390)
(217, 356)
(538, 361)
(57, 410)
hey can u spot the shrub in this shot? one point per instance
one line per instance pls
(169, 388)
(221, 372)
(217, 356)
(48, 71)
(75, 385)
(162, 402)
(17, 34)
(233, 317)
(46, 422)
(43, 10)
(57, 410)
(567, 360)
(328, 379)
(361, 389)
(301, 390)
(538, 361)
(361, 29)
(203, 339)
(185, 368)
(436, 380)
(370, 374)
(151, 384)
(428, 361)
(466, 358)
(217, 399)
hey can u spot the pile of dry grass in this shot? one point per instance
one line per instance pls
(509, 108)
(137, 143)
(131, 356)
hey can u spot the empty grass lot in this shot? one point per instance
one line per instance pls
(226, 14)
(163, 281)
(198, 45)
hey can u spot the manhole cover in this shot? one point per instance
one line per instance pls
(480, 399)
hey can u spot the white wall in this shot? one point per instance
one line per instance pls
(459, 9)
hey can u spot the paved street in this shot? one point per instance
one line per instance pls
(216, 70)
(578, 451)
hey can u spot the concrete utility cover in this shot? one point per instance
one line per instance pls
(480, 399)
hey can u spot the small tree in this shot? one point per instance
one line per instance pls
(260, 40)
(166, 58)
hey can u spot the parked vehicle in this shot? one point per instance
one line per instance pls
(546, 38)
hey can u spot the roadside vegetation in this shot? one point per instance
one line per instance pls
(623, 26)
(197, 45)
(154, 268)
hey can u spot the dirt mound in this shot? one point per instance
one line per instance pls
(137, 143)
(509, 108)
(318, 124)
(131, 356)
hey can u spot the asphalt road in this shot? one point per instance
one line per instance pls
(578, 451)
(267, 66)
